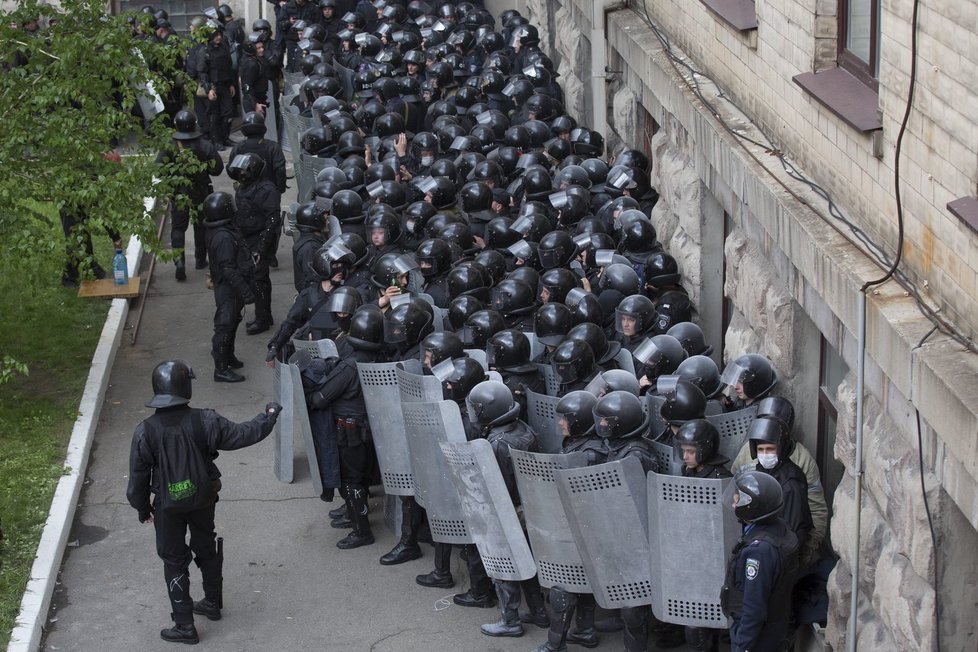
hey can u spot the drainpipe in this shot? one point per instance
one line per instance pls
(599, 62)
(860, 390)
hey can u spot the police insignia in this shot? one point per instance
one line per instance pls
(751, 569)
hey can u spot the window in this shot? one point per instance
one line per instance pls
(832, 371)
(859, 39)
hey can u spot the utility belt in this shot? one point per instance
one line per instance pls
(352, 431)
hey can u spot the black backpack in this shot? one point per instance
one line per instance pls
(185, 484)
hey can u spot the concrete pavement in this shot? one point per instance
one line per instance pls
(287, 587)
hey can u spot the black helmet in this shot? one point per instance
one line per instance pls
(672, 307)
(491, 403)
(684, 403)
(557, 249)
(367, 328)
(551, 322)
(461, 308)
(555, 284)
(638, 236)
(185, 123)
(661, 269)
(408, 323)
(532, 222)
(573, 361)
(441, 191)
(528, 275)
(310, 217)
(461, 378)
(594, 335)
(691, 337)
(768, 430)
(386, 222)
(348, 207)
(354, 242)
(434, 257)
(760, 497)
(499, 234)
(246, 168)
(512, 297)
(218, 209)
(343, 300)
(633, 159)
(754, 371)
(702, 435)
(585, 307)
(469, 279)
(702, 372)
(537, 184)
(495, 264)
(479, 327)
(621, 277)
(440, 346)
(574, 413)
(614, 380)
(777, 407)
(253, 124)
(261, 25)
(172, 384)
(597, 172)
(619, 415)
(388, 267)
(475, 196)
(332, 258)
(509, 350)
(587, 142)
(638, 307)
(660, 355)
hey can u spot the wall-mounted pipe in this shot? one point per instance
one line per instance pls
(851, 644)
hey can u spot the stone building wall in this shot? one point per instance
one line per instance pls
(747, 235)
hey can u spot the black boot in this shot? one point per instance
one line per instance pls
(227, 375)
(481, 592)
(562, 604)
(537, 613)
(181, 634)
(208, 608)
(356, 501)
(339, 512)
(407, 548)
(441, 577)
(181, 268)
(583, 633)
(509, 604)
(344, 521)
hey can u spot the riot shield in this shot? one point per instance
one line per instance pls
(271, 114)
(379, 384)
(554, 549)
(301, 413)
(392, 514)
(551, 378)
(607, 508)
(324, 348)
(733, 427)
(345, 75)
(294, 125)
(479, 356)
(625, 360)
(541, 416)
(665, 456)
(536, 346)
(488, 510)
(285, 430)
(426, 424)
(690, 536)
(417, 387)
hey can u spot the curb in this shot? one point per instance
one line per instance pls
(29, 625)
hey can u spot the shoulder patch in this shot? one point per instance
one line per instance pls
(751, 568)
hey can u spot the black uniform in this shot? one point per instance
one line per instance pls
(212, 432)
(232, 269)
(307, 11)
(302, 253)
(214, 72)
(258, 218)
(196, 187)
(254, 82)
(308, 316)
(270, 152)
(794, 486)
(194, 55)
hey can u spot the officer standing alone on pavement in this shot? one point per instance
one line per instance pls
(156, 445)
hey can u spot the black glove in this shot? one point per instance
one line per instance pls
(273, 408)
(145, 515)
(272, 354)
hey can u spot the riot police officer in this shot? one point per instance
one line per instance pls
(310, 220)
(173, 422)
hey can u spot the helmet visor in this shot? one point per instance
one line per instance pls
(605, 426)
(566, 371)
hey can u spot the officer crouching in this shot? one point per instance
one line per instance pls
(172, 458)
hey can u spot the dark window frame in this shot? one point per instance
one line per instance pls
(865, 71)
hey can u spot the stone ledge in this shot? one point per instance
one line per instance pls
(829, 263)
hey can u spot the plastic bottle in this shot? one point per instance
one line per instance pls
(120, 268)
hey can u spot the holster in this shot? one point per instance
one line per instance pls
(352, 432)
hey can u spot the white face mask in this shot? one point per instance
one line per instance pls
(427, 160)
(768, 460)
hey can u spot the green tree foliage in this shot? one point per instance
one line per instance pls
(69, 90)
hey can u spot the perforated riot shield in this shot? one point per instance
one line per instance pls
(301, 413)
(488, 510)
(285, 426)
(417, 387)
(427, 424)
(541, 416)
(479, 355)
(607, 508)
(551, 378)
(324, 348)
(380, 394)
(551, 541)
(665, 455)
(691, 534)
(733, 427)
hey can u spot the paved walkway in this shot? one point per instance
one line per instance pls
(287, 587)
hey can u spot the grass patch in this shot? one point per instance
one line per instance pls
(55, 333)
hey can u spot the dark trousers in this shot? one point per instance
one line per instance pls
(171, 546)
(75, 235)
(220, 112)
(200, 109)
(263, 284)
(355, 464)
(179, 223)
(226, 320)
